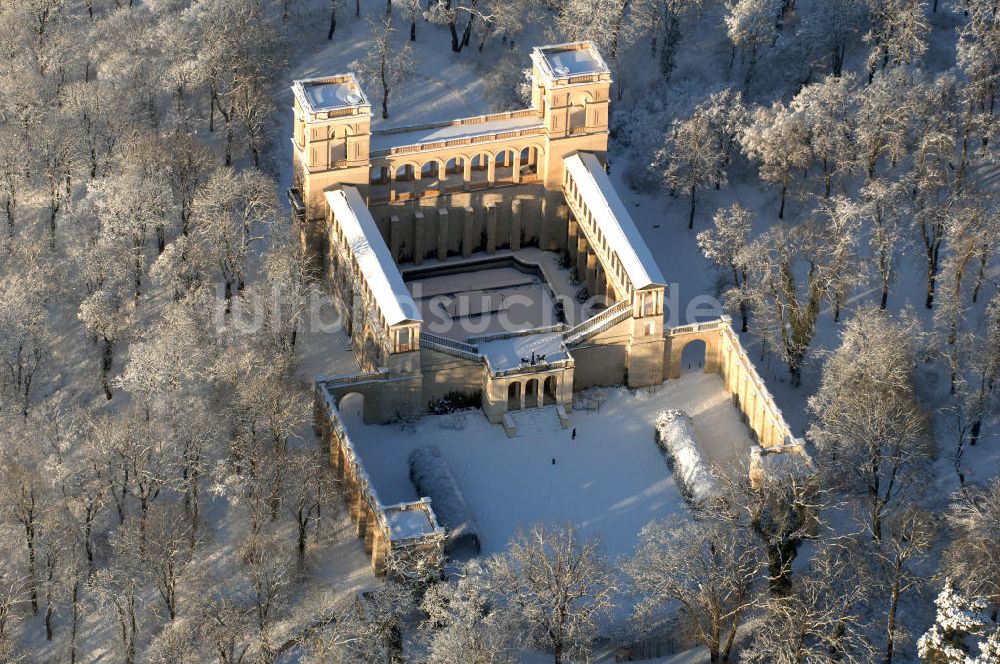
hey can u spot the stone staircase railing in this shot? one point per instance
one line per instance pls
(599, 323)
(450, 346)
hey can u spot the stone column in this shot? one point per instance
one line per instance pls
(467, 173)
(418, 237)
(392, 182)
(334, 443)
(572, 232)
(442, 172)
(395, 237)
(517, 167)
(442, 238)
(591, 280)
(380, 549)
(372, 527)
(524, 386)
(515, 224)
(491, 229)
(468, 241)
(581, 259)
(491, 170)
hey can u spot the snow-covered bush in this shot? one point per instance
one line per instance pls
(960, 621)
(431, 476)
(675, 435)
(453, 421)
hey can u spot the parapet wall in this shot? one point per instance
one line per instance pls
(725, 355)
(375, 522)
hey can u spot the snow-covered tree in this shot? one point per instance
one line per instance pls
(898, 33)
(709, 568)
(911, 531)
(820, 619)
(840, 225)
(831, 28)
(786, 286)
(465, 623)
(725, 244)
(751, 24)
(973, 555)
(978, 55)
(663, 18)
(556, 586)
(885, 205)
(960, 621)
(26, 340)
(691, 158)
(870, 432)
(827, 108)
(231, 214)
(881, 122)
(108, 314)
(778, 139)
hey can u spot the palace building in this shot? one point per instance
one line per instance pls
(490, 258)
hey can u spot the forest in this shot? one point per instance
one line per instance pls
(826, 168)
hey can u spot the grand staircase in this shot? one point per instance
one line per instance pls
(535, 421)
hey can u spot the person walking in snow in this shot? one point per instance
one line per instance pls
(574, 434)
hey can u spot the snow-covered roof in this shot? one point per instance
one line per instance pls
(447, 131)
(572, 59)
(316, 95)
(506, 354)
(409, 523)
(612, 217)
(373, 257)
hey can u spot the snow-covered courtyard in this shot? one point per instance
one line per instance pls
(610, 481)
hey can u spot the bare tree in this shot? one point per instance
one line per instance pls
(692, 158)
(911, 533)
(725, 244)
(465, 623)
(820, 619)
(870, 432)
(386, 65)
(972, 555)
(708, 567)
(786, 286)
(557, 585)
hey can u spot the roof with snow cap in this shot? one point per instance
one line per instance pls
(572, 59)
(318, 95)
(613, 218)
(372, 256)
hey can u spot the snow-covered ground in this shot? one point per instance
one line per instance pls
(610, 482)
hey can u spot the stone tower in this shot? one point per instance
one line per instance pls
(331, 138)
(571, 87)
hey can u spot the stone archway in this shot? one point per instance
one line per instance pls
(504, 166)
(550, 394)
(693, 356)
(352, 408)
(514, 396)
(678, 339)
(531, 396)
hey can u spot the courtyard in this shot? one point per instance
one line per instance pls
(610, 481)
(485, 294)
